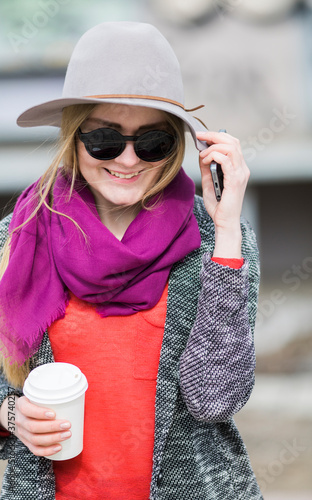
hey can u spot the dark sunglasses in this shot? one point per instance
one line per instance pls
(107, 143)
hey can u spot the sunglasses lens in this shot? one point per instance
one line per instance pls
(154, 145)
(106, 144)
(103, 144)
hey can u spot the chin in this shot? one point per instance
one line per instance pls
(125, 202)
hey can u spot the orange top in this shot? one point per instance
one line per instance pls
(119, 356)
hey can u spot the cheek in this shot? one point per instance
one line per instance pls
(80, 155)
(156, 171)
(86, 164)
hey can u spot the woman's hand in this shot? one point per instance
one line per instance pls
(225, 150)
(36, 427)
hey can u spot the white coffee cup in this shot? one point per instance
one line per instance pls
(61, 387)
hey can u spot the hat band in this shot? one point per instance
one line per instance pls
(133, 96)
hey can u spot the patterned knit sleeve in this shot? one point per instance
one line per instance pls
(217, 366)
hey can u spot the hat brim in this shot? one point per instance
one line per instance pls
(50, 113)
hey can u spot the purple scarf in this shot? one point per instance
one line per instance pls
(50, 257)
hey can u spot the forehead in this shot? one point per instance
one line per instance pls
(122, 113)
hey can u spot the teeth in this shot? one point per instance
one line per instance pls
(123, 176)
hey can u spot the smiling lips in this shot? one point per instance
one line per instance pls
(123, 176)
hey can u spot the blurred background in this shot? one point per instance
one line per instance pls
(250, 63)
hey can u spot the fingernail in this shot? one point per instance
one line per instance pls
(50, 414)
(66, 435)
(57, 448)
(65, 425)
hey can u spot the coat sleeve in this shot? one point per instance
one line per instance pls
(216, 369)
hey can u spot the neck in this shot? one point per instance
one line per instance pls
(118, 219)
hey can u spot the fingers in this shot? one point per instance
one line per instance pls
(43, 444)
(38, 428)
(212, 137)
(31, 410)
(220, 141)
(226, 150)
(207, 155)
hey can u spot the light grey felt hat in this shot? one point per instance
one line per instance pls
(124, 63)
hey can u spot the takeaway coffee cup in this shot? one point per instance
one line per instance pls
(61, 387)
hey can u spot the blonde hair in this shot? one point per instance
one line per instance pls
(66, 158)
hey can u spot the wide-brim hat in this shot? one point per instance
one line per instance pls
(123, 63)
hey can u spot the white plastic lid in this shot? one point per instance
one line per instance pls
(55, 383)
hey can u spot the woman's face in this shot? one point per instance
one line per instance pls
(105, 177)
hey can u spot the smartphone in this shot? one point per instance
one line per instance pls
(217, 176)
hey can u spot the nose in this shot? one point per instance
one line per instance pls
(128, 157)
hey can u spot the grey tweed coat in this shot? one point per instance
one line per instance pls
(206, 374)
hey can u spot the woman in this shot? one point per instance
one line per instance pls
(110, 263)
